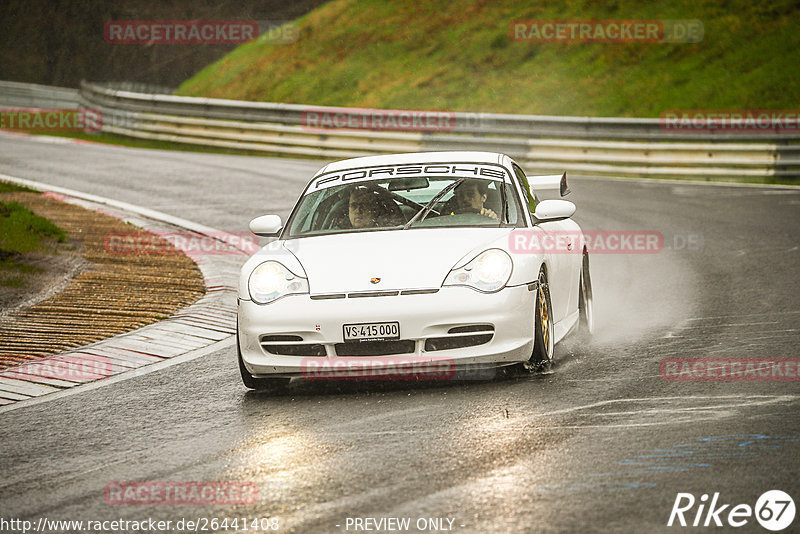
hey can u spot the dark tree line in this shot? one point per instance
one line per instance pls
(61, 42)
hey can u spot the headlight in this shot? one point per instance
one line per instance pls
(488, 272)
(272, 280)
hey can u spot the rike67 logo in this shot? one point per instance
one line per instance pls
(774, 510)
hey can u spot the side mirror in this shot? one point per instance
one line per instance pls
(550, 210)
(266, 226)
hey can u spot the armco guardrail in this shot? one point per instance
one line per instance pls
(464, 123)
(580, 145)
(28, 95)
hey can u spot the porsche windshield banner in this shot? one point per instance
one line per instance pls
(453, 170)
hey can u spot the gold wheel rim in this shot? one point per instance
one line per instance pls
(544, 319)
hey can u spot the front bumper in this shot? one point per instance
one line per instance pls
(422, 318)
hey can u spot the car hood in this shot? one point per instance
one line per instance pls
(401, 259)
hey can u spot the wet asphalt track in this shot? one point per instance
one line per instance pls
(601, 444)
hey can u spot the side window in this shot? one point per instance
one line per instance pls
(494, 201)
(512, 202)
(523, 181)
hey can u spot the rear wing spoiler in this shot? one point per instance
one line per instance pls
(549, 184)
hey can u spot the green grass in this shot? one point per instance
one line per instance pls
(458, 55)
(8, 187)
(22, 231)
(8, 273)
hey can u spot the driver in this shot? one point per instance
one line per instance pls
(469, 197)
(366, 208)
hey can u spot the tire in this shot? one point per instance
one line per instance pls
(585, 301)
(543, 344)
(258, 384)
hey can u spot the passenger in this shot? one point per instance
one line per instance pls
(469, 197)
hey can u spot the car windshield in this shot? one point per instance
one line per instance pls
(405, 203)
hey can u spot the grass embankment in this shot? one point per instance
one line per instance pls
(459, 55)
(21, 233)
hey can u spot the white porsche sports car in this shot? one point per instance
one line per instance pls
(417, 262)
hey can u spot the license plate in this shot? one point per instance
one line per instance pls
(372, 331)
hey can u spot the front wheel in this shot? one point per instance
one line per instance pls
(543, 344)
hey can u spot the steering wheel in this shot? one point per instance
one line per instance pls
(392, 211)
(451, 206)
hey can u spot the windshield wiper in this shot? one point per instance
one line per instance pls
(429, 206)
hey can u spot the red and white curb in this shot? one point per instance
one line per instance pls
(198, 329)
